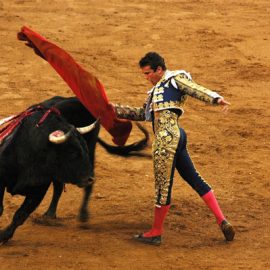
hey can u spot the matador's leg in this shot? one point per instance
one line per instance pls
(164, 148)
(187, 170)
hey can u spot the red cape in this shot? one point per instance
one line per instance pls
(85, 85)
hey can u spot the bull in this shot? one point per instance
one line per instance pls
(52, 152)
(76, 114)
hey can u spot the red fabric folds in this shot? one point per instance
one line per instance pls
(85, 85)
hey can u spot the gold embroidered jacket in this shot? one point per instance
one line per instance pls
(170, 92)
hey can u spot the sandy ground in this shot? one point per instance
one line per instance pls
(225, 46)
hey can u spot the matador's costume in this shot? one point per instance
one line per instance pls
(163, 107)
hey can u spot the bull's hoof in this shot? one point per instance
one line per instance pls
(84, 216)
(4, 237)
(49, 214)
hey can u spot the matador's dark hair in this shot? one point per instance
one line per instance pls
(154, 60)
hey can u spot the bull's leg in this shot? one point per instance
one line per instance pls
(91, 139)
(30, 203)
(57, 191)
(2, 191)
(84, 213)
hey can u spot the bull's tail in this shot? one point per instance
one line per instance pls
(127, 149)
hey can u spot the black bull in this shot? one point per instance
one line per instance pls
(30, 162)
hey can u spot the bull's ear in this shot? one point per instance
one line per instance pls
(86, 129)
(58, 136)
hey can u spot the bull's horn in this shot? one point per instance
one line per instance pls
(83, 130)
(7, 119)
(58, 136)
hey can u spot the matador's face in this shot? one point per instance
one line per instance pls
(152, 76)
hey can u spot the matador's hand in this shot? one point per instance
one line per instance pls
(224, 103)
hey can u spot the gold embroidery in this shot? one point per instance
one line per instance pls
(167, 137)
(195, 90)
(131, 113)
(170, 105)
(157, 98)
(159, 90)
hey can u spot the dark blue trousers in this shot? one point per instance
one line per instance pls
(186, 169)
